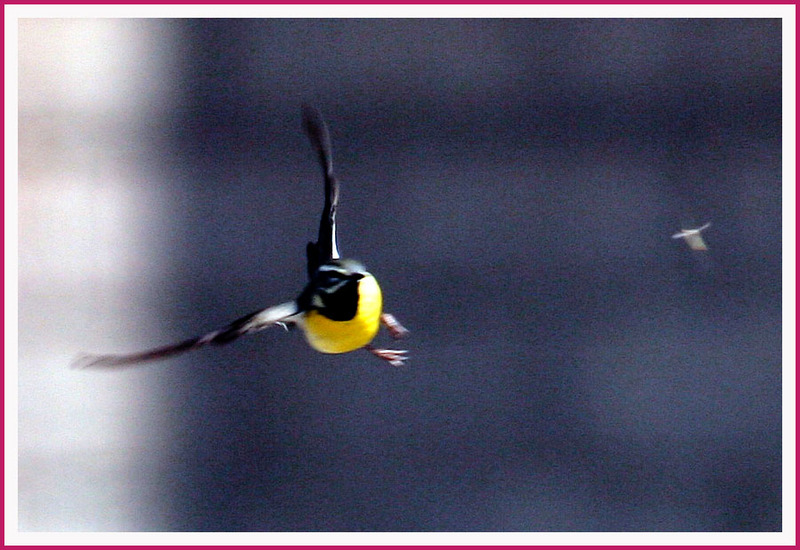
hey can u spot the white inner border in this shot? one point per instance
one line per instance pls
(785, 12)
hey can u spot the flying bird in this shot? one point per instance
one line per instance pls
(693, 237)
(339, 310)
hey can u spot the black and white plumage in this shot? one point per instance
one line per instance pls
(282, 314)
(333, 290)
(326, 248)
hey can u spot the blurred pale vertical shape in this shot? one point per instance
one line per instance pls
(89, 206)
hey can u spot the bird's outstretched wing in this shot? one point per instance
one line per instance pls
(259, 320)
(326, 247)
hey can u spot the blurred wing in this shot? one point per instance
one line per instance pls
(325, 248)
(259, 320)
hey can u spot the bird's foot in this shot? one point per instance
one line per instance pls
(395, 357)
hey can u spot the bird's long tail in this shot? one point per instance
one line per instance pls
(326, 247)
(254, 322)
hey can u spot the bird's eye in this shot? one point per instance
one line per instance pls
(331, 277)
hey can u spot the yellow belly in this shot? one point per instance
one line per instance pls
(330, 336)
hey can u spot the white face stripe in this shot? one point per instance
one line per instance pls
(347, 267)
(333, 288)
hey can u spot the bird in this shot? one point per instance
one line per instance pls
(693, 237)
(339, 310)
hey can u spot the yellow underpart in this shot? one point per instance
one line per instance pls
(329, 336)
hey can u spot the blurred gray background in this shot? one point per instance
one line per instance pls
(513, 184)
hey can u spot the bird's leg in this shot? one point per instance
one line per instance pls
(395, 357)
(393, 326)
